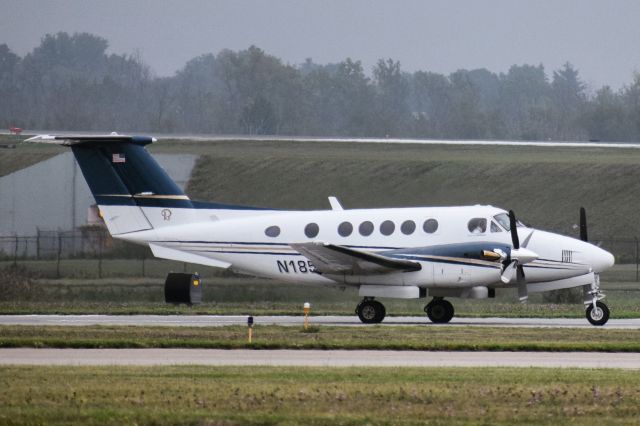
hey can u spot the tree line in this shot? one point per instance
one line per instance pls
(70, 82)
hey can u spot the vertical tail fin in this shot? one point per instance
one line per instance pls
(123, 178)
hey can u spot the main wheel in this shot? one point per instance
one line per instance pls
(371, 311)
(599, 315)
(439, 311)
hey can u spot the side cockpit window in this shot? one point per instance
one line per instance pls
(477, 225)
(495, 227)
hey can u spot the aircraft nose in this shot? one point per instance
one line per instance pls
(601, 260)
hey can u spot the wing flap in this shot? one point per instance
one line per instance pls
(335, 259)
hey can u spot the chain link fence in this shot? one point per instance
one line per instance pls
(90, 252)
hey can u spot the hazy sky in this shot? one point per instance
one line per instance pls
(599, 37)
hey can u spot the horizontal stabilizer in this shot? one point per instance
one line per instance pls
(80, 139)
(182, 256)
(335, 259)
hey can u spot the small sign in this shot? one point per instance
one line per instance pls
(118, 158)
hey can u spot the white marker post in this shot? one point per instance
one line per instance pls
(306, 309)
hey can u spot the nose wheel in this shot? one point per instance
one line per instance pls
(598, 313)
(371, 311)
(439, 311)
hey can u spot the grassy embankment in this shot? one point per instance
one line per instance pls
(15, 156)
(269, 395)
(422, 337)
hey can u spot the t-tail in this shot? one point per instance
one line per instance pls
(131, 190)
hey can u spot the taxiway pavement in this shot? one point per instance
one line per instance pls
(224, 320)
(318, 358)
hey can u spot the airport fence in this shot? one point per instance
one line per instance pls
(90, 252)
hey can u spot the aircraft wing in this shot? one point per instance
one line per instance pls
(334, 259)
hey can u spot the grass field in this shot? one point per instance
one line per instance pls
(422, 337)
(223, 293)
(309, 396)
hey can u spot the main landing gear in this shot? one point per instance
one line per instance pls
(439, 311)
(370, 311)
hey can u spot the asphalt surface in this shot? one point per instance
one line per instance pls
(317, 358)
(353, 321)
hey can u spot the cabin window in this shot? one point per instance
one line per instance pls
(366, 228)
(408, 227)
(477, 225)
(272, 231)
(387, 227)
(311, 230)
(345, 229)
(430, 226)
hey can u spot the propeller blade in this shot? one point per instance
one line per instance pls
(523, 293)
(514, 232)
(583, 224)
(509, 272)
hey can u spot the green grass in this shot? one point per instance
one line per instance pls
(241, 295)
(15, 156)
(314, 396)
(420, 337)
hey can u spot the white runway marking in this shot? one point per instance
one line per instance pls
(223, 320)
(317, 358)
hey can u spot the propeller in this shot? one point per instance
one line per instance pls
(583, 224)
(519, 256)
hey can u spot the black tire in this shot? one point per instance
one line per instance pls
(599, 316)
(371, 311)
(439, 311)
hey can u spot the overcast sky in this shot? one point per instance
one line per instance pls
(599, 37)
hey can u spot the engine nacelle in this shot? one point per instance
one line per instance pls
(183, 288)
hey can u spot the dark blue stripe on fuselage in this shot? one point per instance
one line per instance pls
(462, 250)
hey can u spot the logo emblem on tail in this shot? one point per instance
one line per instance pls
(166, 214)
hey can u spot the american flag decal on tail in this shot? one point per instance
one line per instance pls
(117, 158)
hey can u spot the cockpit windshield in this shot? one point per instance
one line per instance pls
(503, 220)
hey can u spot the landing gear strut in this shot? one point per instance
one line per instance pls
(597, 312)
(370, 311)
(439, 311)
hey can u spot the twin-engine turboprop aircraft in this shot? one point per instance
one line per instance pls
(437, 252)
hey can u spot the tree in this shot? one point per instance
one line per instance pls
(392, 99)
(569, 99)
(9, 106)
(525, 104)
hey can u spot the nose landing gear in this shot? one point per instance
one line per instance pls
(597, 312)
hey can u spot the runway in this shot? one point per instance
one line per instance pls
(352, 321)
(316, 358)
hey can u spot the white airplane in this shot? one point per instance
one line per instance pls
(437, 252)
